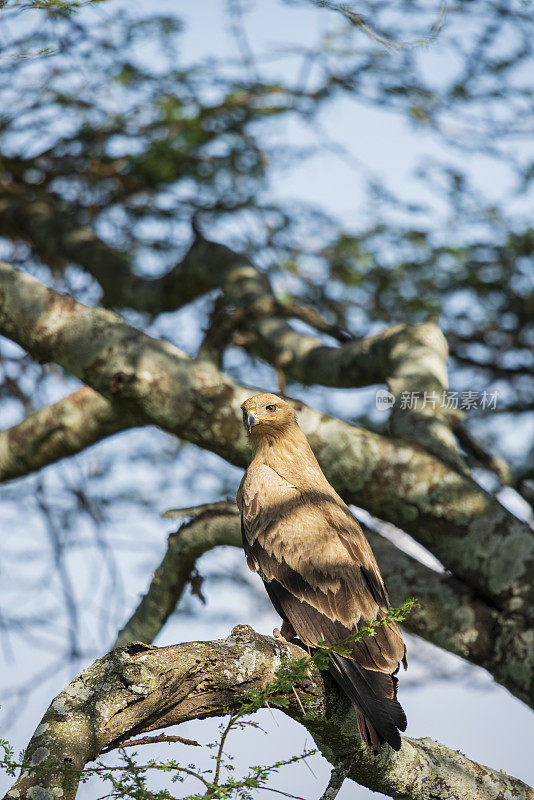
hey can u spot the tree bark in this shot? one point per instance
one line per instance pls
(140, 688)
(57, 431)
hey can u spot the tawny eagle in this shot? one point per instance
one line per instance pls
(317, 566)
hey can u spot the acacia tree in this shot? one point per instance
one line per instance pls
(104, 181)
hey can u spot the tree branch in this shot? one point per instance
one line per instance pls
(488, 459)
(161, 737)
(450, 615)
(139, 689)
(409, 358)
(51, 228)
(57, 431)
(155, 383)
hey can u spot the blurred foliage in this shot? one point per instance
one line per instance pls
(136, 147)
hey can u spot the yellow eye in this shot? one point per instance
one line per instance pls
(270, 408)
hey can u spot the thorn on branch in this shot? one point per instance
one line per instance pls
(298, 700)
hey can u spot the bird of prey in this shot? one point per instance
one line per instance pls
(317, 566)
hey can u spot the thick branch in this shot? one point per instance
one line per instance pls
(450, 615)
(141, 688)
(60, 430)
(153, 382)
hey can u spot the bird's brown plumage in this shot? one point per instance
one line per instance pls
(317, 565)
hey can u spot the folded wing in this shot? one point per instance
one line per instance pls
(322, 577)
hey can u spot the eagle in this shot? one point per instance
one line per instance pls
(317, 566)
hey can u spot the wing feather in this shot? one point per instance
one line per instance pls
(315, 617)
(322, 577)
(315, 549)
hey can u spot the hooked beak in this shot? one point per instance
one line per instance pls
(251, 419)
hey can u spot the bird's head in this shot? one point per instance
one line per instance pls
(267, 413)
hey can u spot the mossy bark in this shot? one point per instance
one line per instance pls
(140, 688)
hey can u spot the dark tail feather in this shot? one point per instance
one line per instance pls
(367, 732)
(378, 712)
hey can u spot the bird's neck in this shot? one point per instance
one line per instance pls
(290, 455)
